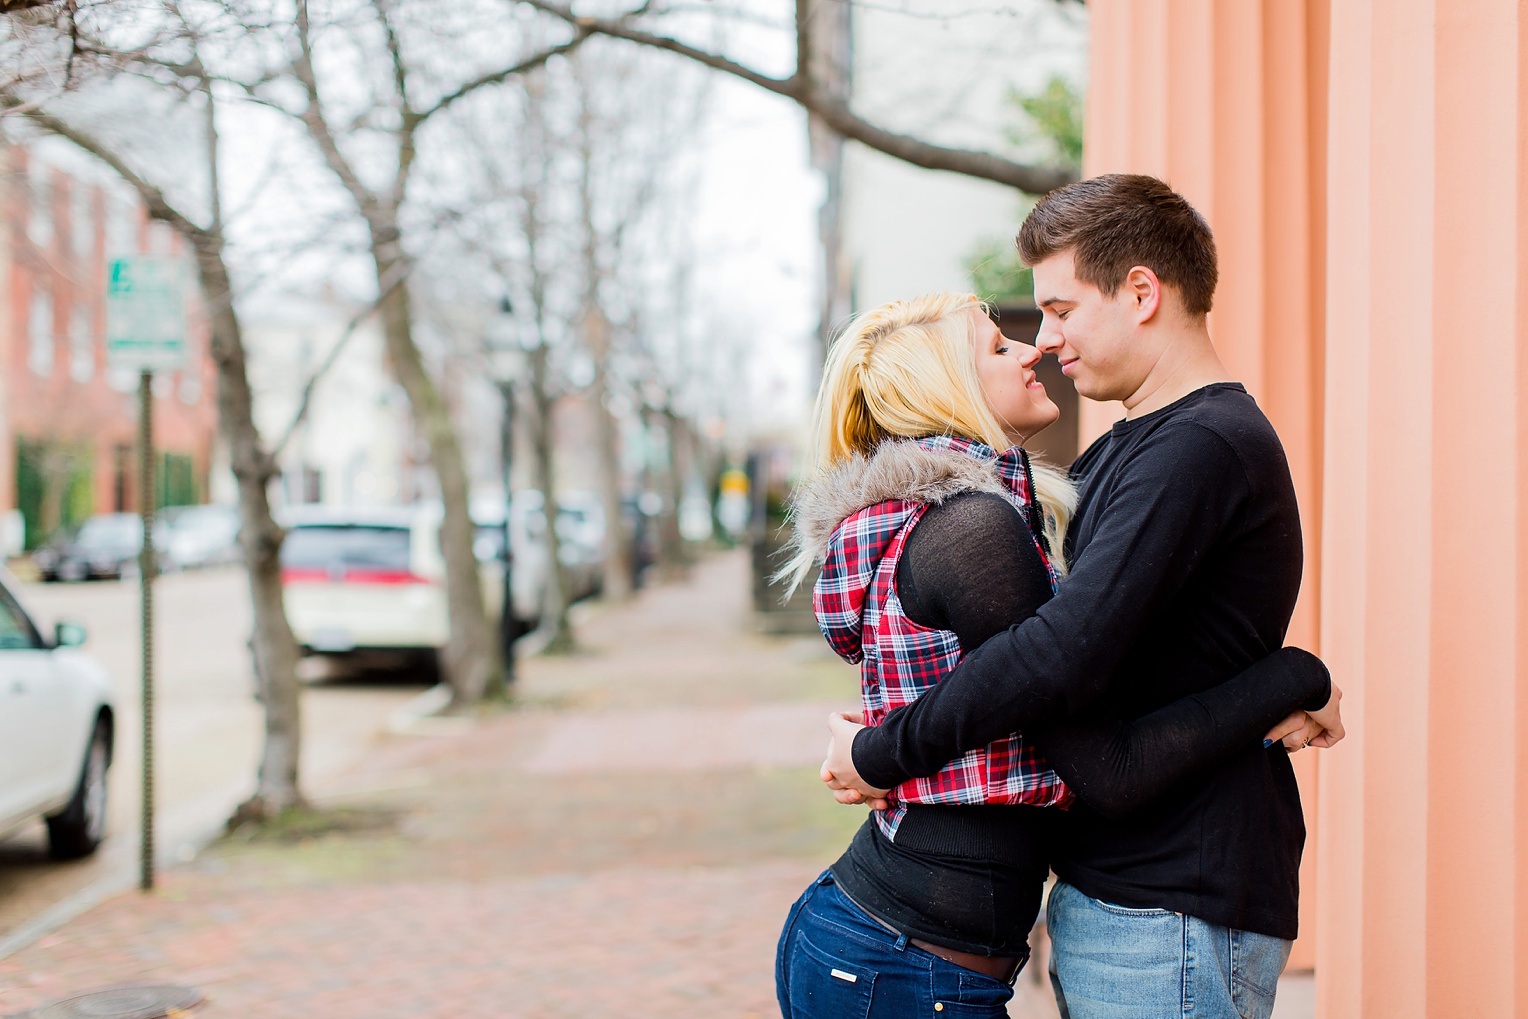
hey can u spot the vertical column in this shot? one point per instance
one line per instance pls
(1376, 606)
(1470, 743)
(1344, 595)
(1189, 132)
(1235, 202)
(1291, 335)
(1520, 461)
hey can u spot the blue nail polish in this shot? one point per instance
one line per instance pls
(1267, 743)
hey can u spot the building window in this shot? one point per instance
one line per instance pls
(121, 228)
(40, 349)
(40, 221)
(82, 218)
(312, 485)
(81, 344)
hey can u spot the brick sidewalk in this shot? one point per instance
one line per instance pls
(625, 843)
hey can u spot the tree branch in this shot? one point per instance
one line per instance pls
(804, 48)
(395, 53)
(493, 78)
(314, 120)
(833, 112)
(153, 199)
(408, 119)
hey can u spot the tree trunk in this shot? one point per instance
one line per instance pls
(620, 558)
(556, 598)
(473, 666)
(673, 557)
(274, 646)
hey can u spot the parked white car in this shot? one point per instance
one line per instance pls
(369, 584)
(56, 731)
(358, 581)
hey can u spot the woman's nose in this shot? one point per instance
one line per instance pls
(1029, 355)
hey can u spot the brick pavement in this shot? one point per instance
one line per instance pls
(623, 843)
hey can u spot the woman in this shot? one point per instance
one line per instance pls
(935, 532)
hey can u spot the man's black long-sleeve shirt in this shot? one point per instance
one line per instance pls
(1187, 561)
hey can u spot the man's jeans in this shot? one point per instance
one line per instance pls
(835, 961)
(1111, 962)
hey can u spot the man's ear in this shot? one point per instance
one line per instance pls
(1144, 291)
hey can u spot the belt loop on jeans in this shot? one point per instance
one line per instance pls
(901, 944)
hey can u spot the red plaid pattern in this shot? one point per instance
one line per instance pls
(861, 615)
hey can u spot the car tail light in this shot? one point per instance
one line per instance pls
(294, 575)
(383, 577)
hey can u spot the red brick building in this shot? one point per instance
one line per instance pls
(68, 424)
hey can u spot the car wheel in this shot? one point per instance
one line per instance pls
(78, 829)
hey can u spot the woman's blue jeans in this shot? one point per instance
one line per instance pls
(1114, 962)
(835, 961)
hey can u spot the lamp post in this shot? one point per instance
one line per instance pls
(506, 360)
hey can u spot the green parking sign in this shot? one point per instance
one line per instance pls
(146, 313)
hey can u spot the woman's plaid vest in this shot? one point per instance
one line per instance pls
(860, 614)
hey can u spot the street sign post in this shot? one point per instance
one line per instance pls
(146, 313)
(146, 332)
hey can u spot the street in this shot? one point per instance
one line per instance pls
(208, 727)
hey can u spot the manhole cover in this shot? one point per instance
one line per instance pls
(154, 1001)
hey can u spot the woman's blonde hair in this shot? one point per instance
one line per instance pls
(908, 370)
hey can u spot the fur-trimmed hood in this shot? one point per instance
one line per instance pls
(849, 517)
(910, 470)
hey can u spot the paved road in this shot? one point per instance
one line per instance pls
(209, 725)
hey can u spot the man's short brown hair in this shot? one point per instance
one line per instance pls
(1120, 220)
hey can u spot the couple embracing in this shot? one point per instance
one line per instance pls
(1081, 672)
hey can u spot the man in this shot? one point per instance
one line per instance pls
(1187, 560)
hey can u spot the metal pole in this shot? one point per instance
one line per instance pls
(509, 622)
(146, 583)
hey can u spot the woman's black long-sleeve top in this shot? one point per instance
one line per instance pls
(970, 877)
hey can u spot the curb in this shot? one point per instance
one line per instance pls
(178, 843)
(421, 716)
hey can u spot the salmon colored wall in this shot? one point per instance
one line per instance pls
(1217, 99)
(1364, 164)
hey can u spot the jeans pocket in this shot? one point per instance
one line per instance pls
(1149, 911)
(1257, 960)
(825, 986)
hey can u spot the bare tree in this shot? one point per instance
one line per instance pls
(272, 642)
(806, 87)
(630, 129)
(350, 152)
(534, 191)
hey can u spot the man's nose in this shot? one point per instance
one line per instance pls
(1048, 340)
